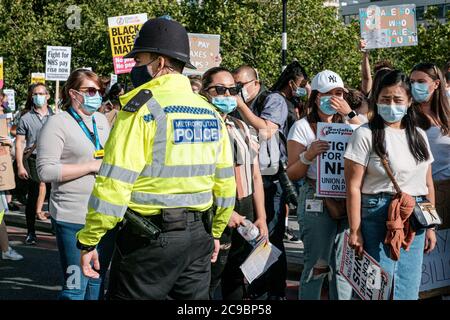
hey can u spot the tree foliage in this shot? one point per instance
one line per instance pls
(250, 33)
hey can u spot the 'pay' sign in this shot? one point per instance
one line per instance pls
(57, 63)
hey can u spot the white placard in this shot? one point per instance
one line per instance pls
(57, 63)
(10, 93)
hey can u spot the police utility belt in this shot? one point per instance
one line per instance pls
(168, 220)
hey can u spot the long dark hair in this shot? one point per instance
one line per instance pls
(313, 110)
(439, 101)
(416, 142)
(29, 104)
(293, 71)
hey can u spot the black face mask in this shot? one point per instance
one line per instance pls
(139, 75)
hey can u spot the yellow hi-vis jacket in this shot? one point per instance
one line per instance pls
(171, 152)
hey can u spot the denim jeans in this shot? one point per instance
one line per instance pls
(323, 239)
(407, 271)
(76, 286)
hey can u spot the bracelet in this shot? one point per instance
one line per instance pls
(304, 160)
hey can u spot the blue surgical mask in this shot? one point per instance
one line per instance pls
(91, 104)
(325, 105)
(392, 113)
(301, 92)
(420, 92)
(224, 104)
(39, 100)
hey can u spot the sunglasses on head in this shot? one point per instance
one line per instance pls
(221, 90)
(91, 91)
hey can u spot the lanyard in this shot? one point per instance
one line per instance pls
(93, 136)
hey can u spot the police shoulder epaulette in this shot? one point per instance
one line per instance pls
(140, 99)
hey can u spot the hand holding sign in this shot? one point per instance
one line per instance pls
(356, 242)
(316, 148)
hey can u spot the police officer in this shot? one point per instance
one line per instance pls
(169, 160)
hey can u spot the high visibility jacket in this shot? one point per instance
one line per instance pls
(172, 152)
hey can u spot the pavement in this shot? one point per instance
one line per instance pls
(41, 279)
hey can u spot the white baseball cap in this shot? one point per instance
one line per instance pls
(327, 80)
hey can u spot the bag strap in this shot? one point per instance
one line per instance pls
(390, 174)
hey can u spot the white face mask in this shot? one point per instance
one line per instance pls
(245, 94)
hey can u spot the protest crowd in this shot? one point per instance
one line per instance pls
(161, 181)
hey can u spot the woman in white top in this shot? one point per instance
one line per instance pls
(321, 235)
(428, 90)
(391, 132)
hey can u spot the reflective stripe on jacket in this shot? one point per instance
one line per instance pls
(173, 152)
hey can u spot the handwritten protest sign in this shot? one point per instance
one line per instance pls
(436, 266)
(7, 181)
(57, 63)
(37, 77)
(122, 32)
(10, 93)
(389, 26)
(365, 275)
(330, 164)
(204, 52)
(1, 72)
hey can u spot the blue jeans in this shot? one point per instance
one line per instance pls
(76, 286)
(407, 271)
(323, 239)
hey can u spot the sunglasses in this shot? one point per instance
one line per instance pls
(91, 91)
(221, 90)
(242, 84)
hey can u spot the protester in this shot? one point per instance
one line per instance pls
(111, 105)
(358, 103)
(8, 253)
(374, 215)
(322, 235)
(433, 108)
(30, 124)
(67, 158)
(161, 178)
(368, 85)
(196, 83)
(221, 90)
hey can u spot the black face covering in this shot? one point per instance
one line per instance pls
(139, 75)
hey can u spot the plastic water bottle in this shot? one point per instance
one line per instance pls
(249, 232)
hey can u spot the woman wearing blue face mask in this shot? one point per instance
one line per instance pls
(69, 156)
(322, 235)
(221, 90)
(432, 106)
(391, 133)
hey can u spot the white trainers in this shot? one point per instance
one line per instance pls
(11, 254)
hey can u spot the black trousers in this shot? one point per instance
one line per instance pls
(177, 265)
(235, 249)
(30, 210)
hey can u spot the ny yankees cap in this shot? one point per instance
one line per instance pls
(326, 81)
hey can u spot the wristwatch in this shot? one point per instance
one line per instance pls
(85, 247)
(351, 115)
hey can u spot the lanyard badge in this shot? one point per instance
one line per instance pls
(92, 136)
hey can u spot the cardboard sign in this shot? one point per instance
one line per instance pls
(1, 72)
(37, 77)
(122, 32)
(57, 63)
(388, 27)
(204, 52)
(436, 264)
(10, 93)
(7, 181)
(365, 275)
(330, 164)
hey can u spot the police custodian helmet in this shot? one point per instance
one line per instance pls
(163, 36)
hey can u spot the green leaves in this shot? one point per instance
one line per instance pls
(250, 33)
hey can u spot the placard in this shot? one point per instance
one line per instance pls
(204, 52)
(57, 63)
